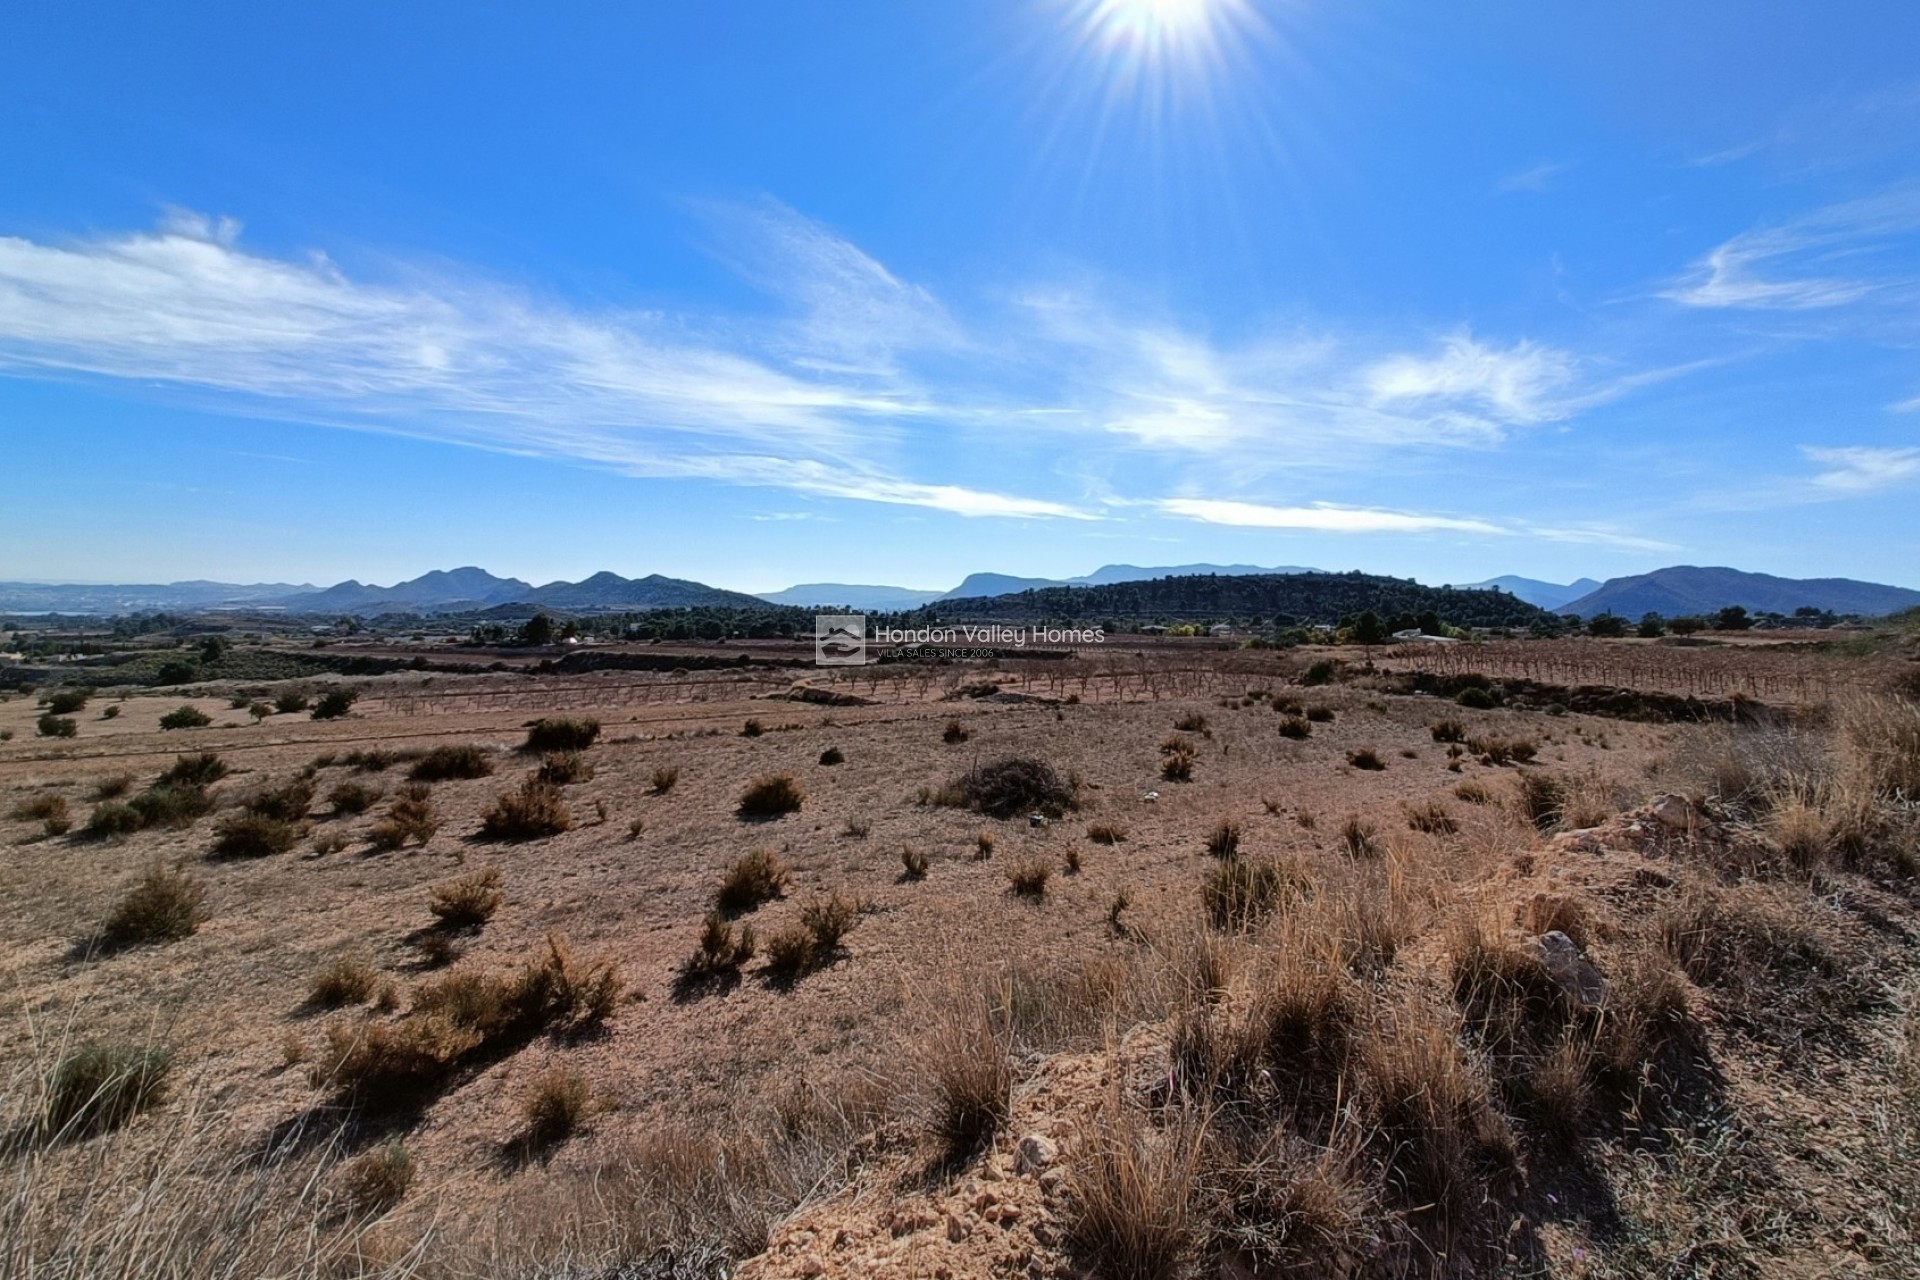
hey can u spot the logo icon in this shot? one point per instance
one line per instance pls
(839, 639)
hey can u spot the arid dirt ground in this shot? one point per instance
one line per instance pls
(1738, 1094)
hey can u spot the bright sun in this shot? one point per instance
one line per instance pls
(1155, 26)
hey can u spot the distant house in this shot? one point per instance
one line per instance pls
(1219, 629)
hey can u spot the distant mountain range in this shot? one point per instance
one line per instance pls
(1671, 592)
(1686, 589)
(1548, 595)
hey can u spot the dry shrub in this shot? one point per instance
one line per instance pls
(41, 808)
(163, 905)
(1366, 758)
(100, 1085)
(288, 802)
(1432, 818)
(1473, 792)
(1447, 731)
(1072, 861)
(1106, 833)
(114, 787)
(353, 797)
(789, 953)
(721, 950)
(252, 835)
(1359, 837)
(663, 778)
(828, 921)
(1029, 879)
(758, 877)
(409, 817)
(537, 809)
(172, 804)
(1177, 767)
(1224, 840)
(563, 767)
(1879, 745)
(341, 981)
(752, 728)
(914, 861)
(111, 820)
(833, 756)
(1287, 1207)
(772, 796)
(1132, 1215)
(1495, 751)
(466, 902)
(1547, 912)
(370, 760)
(1239, 894)
(556, 1106)
(1542, 798)
(953, 733)
(200, 770)
(452, 762)
(1192, 722)
(1769, 954)
(561, 734)
(983, 842)
(1440, 1136)
(969, 1074)
(1320, 714)
(1295, 727)
(377, 1179)
(1015, 785)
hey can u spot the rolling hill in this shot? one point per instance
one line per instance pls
(1548, 595)
(1688, 589)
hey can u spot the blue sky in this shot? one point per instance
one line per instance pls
(758, 293)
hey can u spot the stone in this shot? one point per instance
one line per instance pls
(1035, 1151)
(1575, 974)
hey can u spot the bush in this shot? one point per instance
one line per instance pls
(450, 762)
(162, 906)
(52, 726)
(1192, 722)
(1432, 818)
(1357, 837)
(564, 767)
(113, 819)
(1029, 879)
(1366, 758)
(1318, 673)
(289, 702)
(111, 712)
(342, 981)
(1106, 833)
(101, 1085)
(66, 701)
(39, 808)
(352, 797)
(663, 778)
(721, 951)
(1224, 840)
(1542, 798)
(334, 703)
(1320, 713)
(758, 877)
(468, 901)
(1134, 1198)
(827, 921)
(1177, 766)
(1477, 699)
(286, 803)
(914, 861)
(1014, 785)
(172, 804)
(1238, 894)
(772, 796)
(114, 787)
(378, 760)
(253, 835)
(832, 755)
(556, 1106)
(559, 734)
(200, 770)
(410, 817)
(789, 953)
(378, 1179)
(1447, 731)
(1502, 750)
(537, 809)
(954, 733)
(1295, 727)
(185, 717)
(752, 729)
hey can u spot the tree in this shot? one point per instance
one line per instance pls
(1651, 625)
(1608, 625)
(1686, 626)
(538, 631)
(1732, 618)
(1368, 630)
(1429, 623)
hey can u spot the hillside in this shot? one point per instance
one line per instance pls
(1300, 597)
(851, 595)
(1687, 589)
(1548, 595)
(999, 584)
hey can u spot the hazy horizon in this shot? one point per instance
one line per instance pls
(731, 294)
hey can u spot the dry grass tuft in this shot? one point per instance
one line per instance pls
(452, 762)
(772, 796)
(1135, 1186)
(1366, 758)
(721, 950)
(914, 861)
(100, 1085)
(970, 1076)
(377, 1180)
(1224, 840)
(409, 817)
(663, 777)
(954, 733)
(353, 797)
(1240, 893)
(252, 835)
(340, 982)
(1106, 833)
(1296, 728)
(1473, 792)
(561, 734)
(466, 902)
(556, 1106)
(562, 768)
(536, 810)
(1029, 879)
(162, 906)
(758, 877)
(1432, 818)
(1359, 838)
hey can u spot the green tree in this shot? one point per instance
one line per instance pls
(539, 630)
(1732, 618)
(1651, 625)
(1610, 626)
(1368, 630)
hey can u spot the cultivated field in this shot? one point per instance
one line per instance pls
(1297, 971)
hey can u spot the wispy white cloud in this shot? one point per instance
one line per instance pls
(1856, 469)
(1324, 517)
(1842, 254)
(1534, 178)
(1515, 385)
